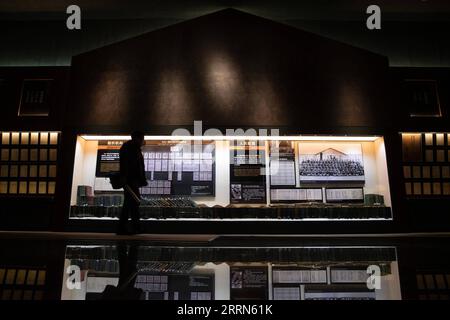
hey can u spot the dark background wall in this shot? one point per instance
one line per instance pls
(49, 43)
(11, 93)
(229, 69)
(413, 33)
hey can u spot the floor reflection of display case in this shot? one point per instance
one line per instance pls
(230, 273)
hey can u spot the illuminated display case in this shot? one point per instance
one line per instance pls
(238, 177)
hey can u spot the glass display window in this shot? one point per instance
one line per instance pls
(229, 178)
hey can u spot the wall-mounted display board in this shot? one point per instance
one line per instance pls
(248, 283)
(108, 161)
(323, 283)
(171, 168)
(283, 180)
(108, 158)
(162, 286)
(318, 165)
(179, 168)
(287, 281)
(329, 162)
(247, 172)
(156, 285)
(282, 164)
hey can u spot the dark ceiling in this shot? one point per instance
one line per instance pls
(409, 10)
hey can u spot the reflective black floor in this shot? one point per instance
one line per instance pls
(226, 268)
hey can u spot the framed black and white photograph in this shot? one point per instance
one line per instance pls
(330, 162)
(236, 191)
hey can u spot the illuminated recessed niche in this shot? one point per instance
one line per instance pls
(28, 163)
(426, 164)
(369, 189)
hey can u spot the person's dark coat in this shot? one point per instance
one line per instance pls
(132, 169)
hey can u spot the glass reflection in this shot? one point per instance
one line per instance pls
(131, 271)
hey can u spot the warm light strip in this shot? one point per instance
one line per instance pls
(229, 138)
(101, 138)
(423, 132)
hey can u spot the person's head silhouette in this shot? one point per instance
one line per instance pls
(138, 138)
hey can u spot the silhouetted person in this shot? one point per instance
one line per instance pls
(125, 289)
(132, 172)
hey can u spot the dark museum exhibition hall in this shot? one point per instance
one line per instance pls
(252, 152)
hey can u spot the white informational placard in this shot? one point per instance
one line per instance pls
(349, 276)
(343, 194)
(282, 173)
(299, 276)
(296, 194)
(286, 293)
